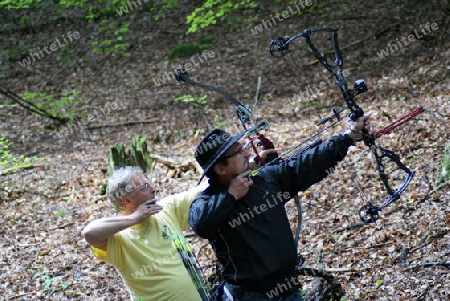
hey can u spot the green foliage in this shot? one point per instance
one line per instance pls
(64, 107)
(189, 49)
(213, 10)
(201, 101)
(65, 54)
(206, 40)
(96, 13)
(60, 213)
(251, 21)
(202, 104)
(16, 4)
(25, 20)
(15, 53)
(322, 8)
(10, 163)
(112, 39)
(184, 50)
(444, 173)
(217, 122)
(164, 5)
(51, 282)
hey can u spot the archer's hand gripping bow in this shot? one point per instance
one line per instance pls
(368, 213)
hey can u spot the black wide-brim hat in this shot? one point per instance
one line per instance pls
(212, 147)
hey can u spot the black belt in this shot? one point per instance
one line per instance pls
(239, 290)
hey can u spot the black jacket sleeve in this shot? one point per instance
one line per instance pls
(299, 173)
(208, 210)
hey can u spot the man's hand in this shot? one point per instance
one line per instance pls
(266, 152)
(254, 162)
(98, 232)
(145, 210)
(356, 127)
(239, 185)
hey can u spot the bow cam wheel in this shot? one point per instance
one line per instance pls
(278, 47)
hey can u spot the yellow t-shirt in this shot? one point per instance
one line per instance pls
(144, 257)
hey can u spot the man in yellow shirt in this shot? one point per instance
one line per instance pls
(138, 243)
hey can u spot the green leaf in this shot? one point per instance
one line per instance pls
(60, 213)
(379, 282)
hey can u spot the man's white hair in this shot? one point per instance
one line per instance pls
(120, 183)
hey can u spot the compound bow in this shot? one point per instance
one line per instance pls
(279, 48)
(368, 213)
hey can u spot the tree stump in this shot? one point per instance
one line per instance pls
(138, 155)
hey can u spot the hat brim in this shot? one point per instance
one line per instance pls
(232, 141)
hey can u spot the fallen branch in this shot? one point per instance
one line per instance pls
(19, 295)
(30, 106)
(362, 248)
(422, 295)
(176, 162)
(62, 226)
(346, 270)
(444, 263)
(427, 239)
(14, 170)
(95, 127)
(353, 226)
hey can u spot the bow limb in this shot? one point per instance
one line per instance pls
(242, 111)
(243, 114)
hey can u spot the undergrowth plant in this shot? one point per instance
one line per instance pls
(112, 39)
(189, 49)
(444, 172)
(202, 106)
(64, 106)
(11, 163)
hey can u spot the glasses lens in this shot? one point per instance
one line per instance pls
(144, 187)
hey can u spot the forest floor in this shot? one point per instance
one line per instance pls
(44, 209)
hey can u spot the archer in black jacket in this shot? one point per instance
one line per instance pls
(244, 218)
